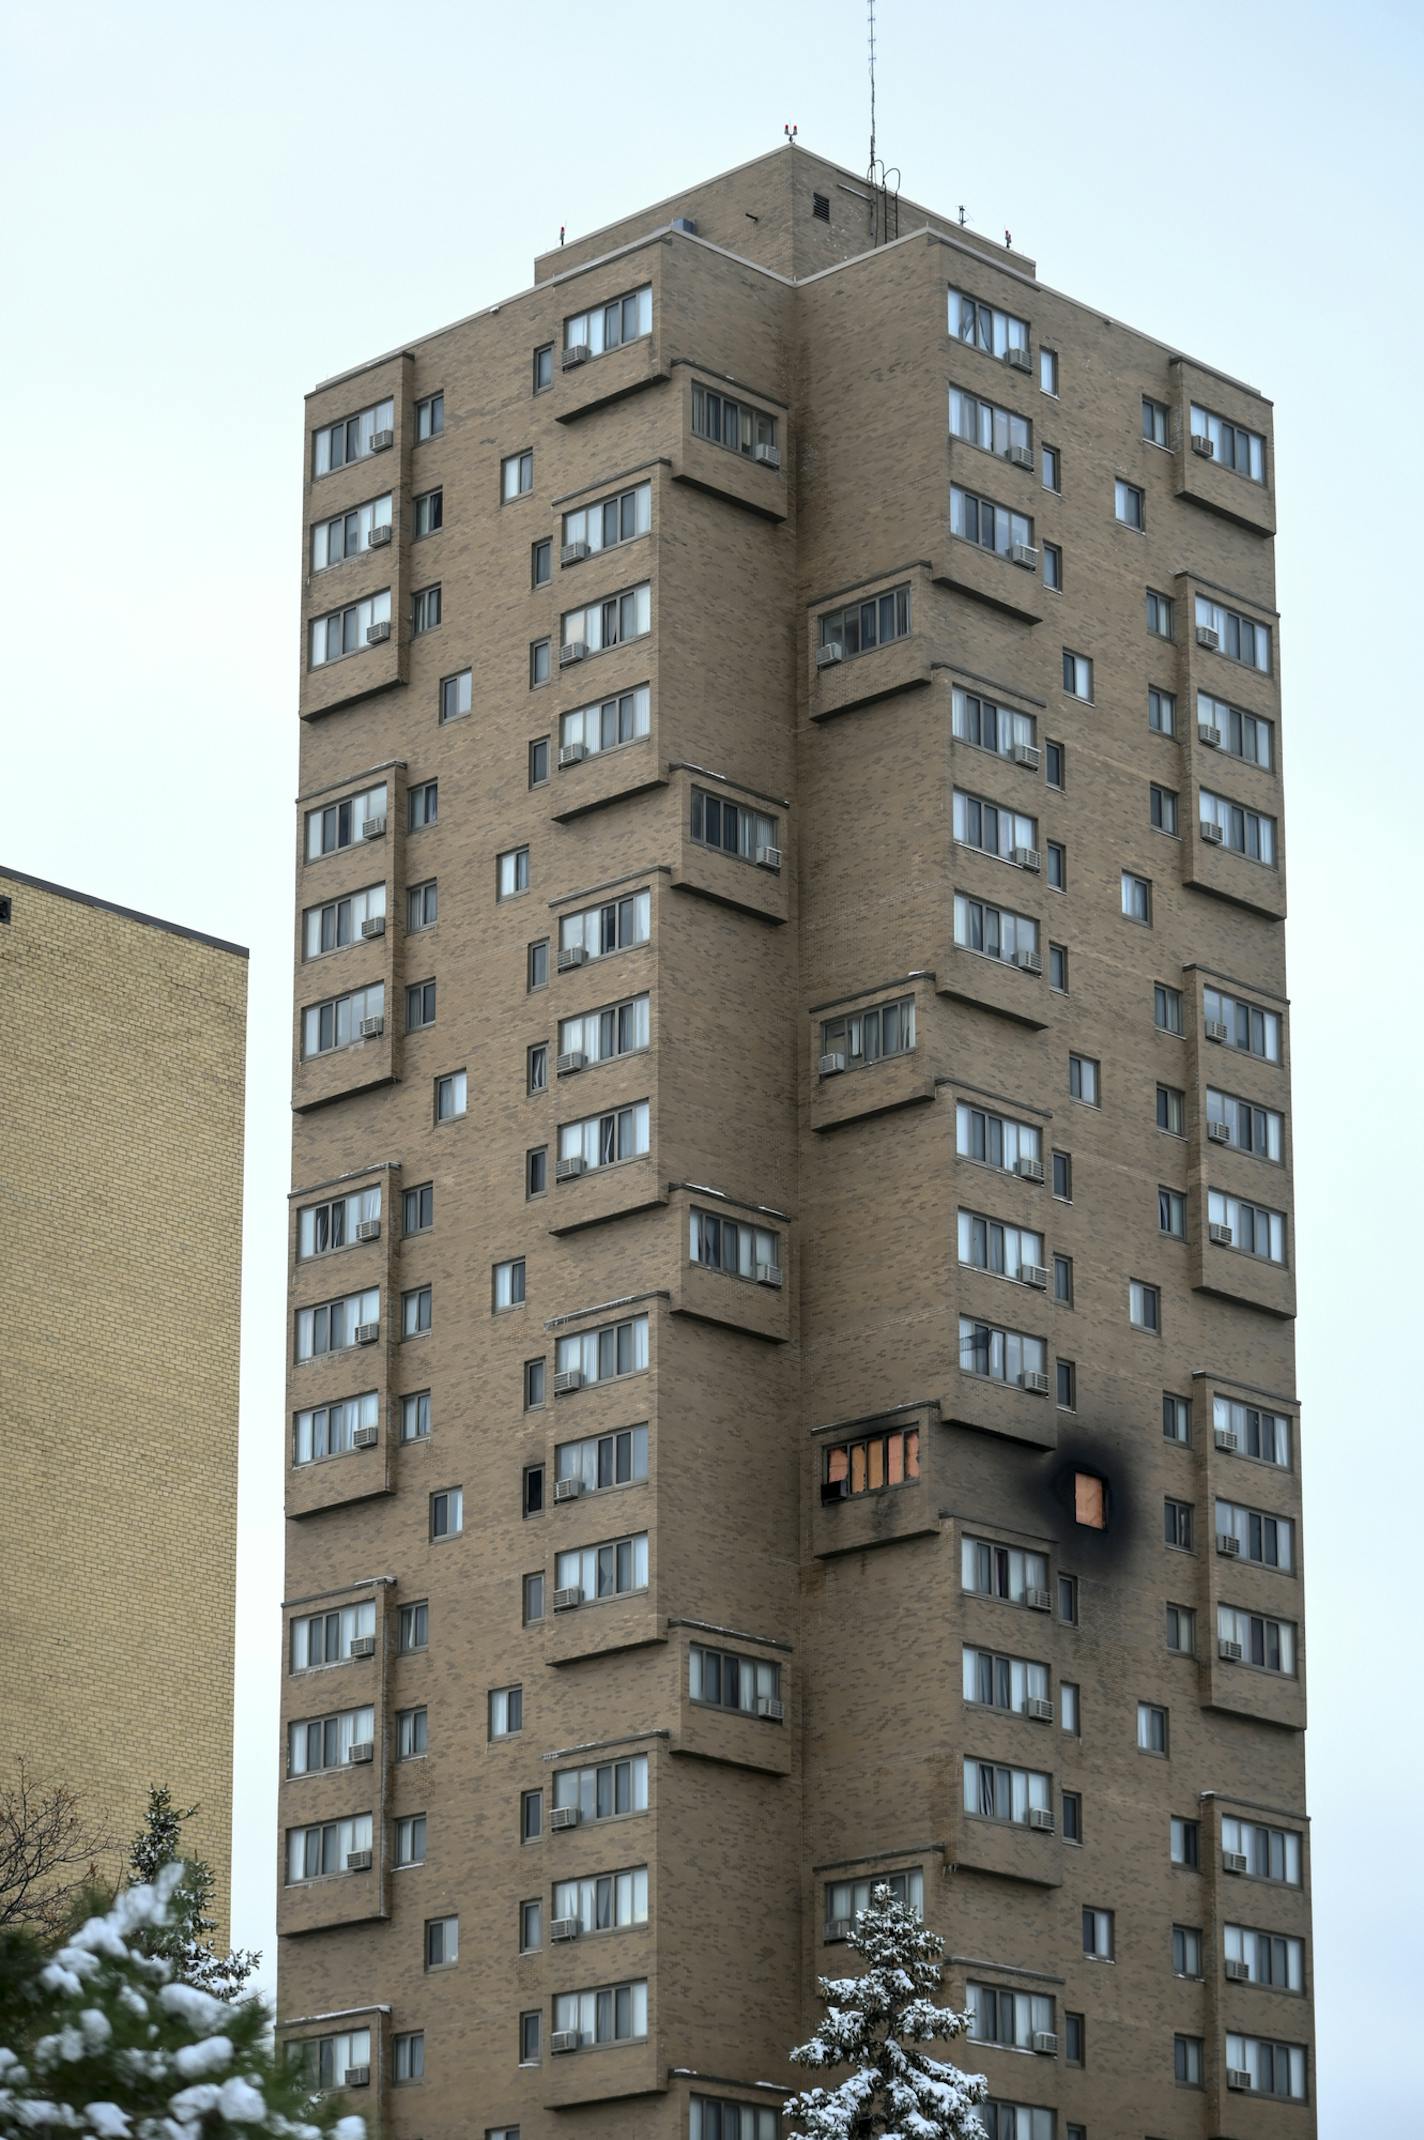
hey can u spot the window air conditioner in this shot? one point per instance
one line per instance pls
(574, 651)
(1228, 1545)
(567, 1064)
(768, 1706)
(380, 536)
(568, 1600)
(572, 954)
(1032, 1274)
(1040, 1710)
(374, 827)
(1029, 1169)
(1019, 456)
(570, 1169)
(376, 633)
(368, 1230)
(1214, 1029)
(1207, 637)
(367, 1333)
(1026, 754)
(382, 441)
(1026, 858)
(1202, 445)
(829, 654)
(1030, 1379)
(833, 1490)
(1238, 1972)
(1210, 831)
(1018, 360)
(1218, 1133)
(356, 2077)
(1229, 1652)
(1220, 1236)
(564, 1928)
(769, 858)
(365, 1437)
(564, 1817)
(838, 1928)
(1024, 553)
(567, 1489)
(576, 353)
(358, 1861)
(570, 1380)
(362, 1750)
(1039, 1817)
(1225, 1439)
(1233, 1861)
(574, 553)
(374, 925)
(1028, 962)
(769, 1274)
(768, 456)
(1208, 735)
(831, 1065)
(373, 1027)
(564, 2040)
(1038, 1601)
(572, 753)
(1045, 2043)
(363, 1646)
(1239, 2079)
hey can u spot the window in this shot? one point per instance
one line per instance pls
(1277, 2069)
(1144, 1306)
(424, 610)
(330, 1429)
(429, 418)
(994, 1792)
(1166, 1006)
(506, 1713)
(1171, 1110)
(1052, 468)
(1182, 1630)
(865, 1037)
(733, 1246)
(343, 921)
(734, 828)
(610, 622)
(341, 824)
(533, 1385)
(991, 828)
(352, 629)
(536, 968)
(615, 926)
(447, 1512)
(353, 438)
(538, 761)
(989, 526)
(1269, 1853)
(1098, 1935)
(408, 2055)
(414, 1631)
(870, 1464)
(324, 1638)
(725, 1680)
(613, 1569)
(1177, 1525)
(531, 1932)
(616, 2014)
(994, 1140)
(1048, 370)
(601, 1355)
(451, 1093)
(1084, 1075)
(613, 520)
(1269, 1958)
(1069, 1709)
(530, 2031)
(1010, 1573)
(990, 1245)
(1151, 1729)
(995, 932)
(423, 802)
(995, 1682)
(324, 2061)
(733, 424)
(512, 872)
(1161, 712)
(334, 1325)
(416, 1311)
(319, 1852)
(419, 1006)
(507, 1286)
(609, 326)
(605, 1792)
(1054, 765)
(607, 723)
(415, 1417)
(1172, 1213)
(323, 1742)
(516, 476)
(323, 1227)
(1077, 675)
(1231, 445)
(1186, 1951)
(821, 210)
(1072, 1816)
(1053, 567)
(541, 562)
(1063, 1280)
(1066, 1385)
(532, 1497)
(1010, 2019)
(1228, 728)
(531, 1816)
(1137, 898)
(536, 1170)
(1242, 831)
(1161, 615)
(1090, 1500)
(1129, 504)
(984, 423)
(1075, 2040)
(533, 1598)
(538, 662)
(412, 1733)
(1176, 1418)
(1058, 968)
(599, 1461)
(604, 1140)
(845, 1899)
(543, 368)
(422, 907)
(1156, 422)
(428, 514)
(982, 326)
(599, 1036)
(1253, 1229)
(1267, 1540)
(1001, 1355)
(536, 1067)
(1255, 1638)
(991, 727)
(1187, 2061)
(1256, 1433)
(442, 1942)
(457, 695)
(348, 534)
(1228, 632)
(1242, 1025)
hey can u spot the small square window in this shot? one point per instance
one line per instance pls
(538, 761)
(447, 1512)
(533, 1606)
(512, 873)
(532, 1500)
(537, 1067)
(416, 1312)
(419, 1006)
(1070, 1714)
(507, 1286)
(536, 1170)
(1085, 1080)
(1063, 1177)
(537, 966)
(1177, 1525)
(1068, 1600)
(423, 804)
(1186, 1951)
(541, 563)
(1072, 1817)
(418, 1208)
(1077, 675)
(1144, 1306)
(538, 662)
(429, 418)
(544, 368)
(1052, 461)
(442, 1942)
(1186, 1844)
(1090, 1501)
(506, 1712)
(1098, 1935)
(415, 1416)
(516, 476)
(1075, 2040)
(408, 2057)
(1161, 617)
(412, 1734)
(1162, 712)
(1154, 422)
(1053, 567)
(1187, 2061)
(428, 514)
(1057, 865)
(1067, 1386)
(1182, 1630)
(531, 1927)
(1172, 1213)
(1176, 1418)
(533, 1385)
(1151, 1729)
(422, 905)
(1162, 809)
(457, 694)
(426, 609)
(1129, 505)
(531, 1815)
(1054, 764)
(1137, 898)
(410, 1840)
(1063, 1280)
(451, 1096)
(821, 207)
(530, 2032)
(1171, 1110)
(1166, 1008)
(1048, 370)
(1058, 968)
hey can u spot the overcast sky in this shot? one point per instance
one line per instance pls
(207, 209)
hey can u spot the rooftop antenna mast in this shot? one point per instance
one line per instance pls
(884, 185)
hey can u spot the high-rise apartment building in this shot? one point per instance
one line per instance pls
(121, 1112)
(792, 1375)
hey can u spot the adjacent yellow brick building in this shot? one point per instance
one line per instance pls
(121, 1110)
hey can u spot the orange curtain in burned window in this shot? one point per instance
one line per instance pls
(878, 1461)
(1090, 1501)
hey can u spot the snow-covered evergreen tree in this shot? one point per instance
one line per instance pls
(873, 2024)
(187, 1938)
(107, 2042)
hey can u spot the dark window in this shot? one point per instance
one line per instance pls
(533, 1385)
(1053, 764)
(536, 1170)
(1067, 1386)
(1068, 1600)
(538, 1067)
(538, 662)
(1072, 1817)
(541, 563)
(1075, 2040)
(1063, 1177)
(821, 207)
(538, 761)
(538, 973)
(543, 367)
(533, 1489)
(531, 1815)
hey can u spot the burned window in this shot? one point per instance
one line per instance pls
(867, 1465)
(1090, 1500)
